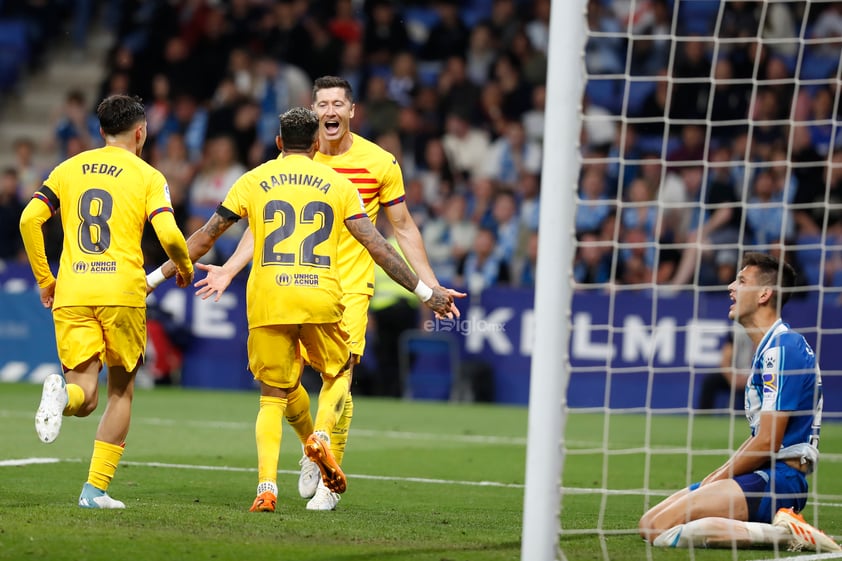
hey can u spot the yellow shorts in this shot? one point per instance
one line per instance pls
(354, 322)
(116, 335)
(273, 351)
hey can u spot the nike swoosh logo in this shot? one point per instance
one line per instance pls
(394, 161)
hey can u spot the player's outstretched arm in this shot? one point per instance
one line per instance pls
(390, 261)
(174, 245)
(198, 245)
(218, 278)
(412, 244)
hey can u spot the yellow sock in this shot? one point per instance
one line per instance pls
(298, 413)
(339, 435)
(331, 402)
(104, 462)
(267, 431)
(75, 399)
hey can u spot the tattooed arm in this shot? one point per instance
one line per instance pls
(203, 239)
(390, 261)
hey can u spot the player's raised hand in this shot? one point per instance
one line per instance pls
(440, 302)
(454, 311)
(215, 282)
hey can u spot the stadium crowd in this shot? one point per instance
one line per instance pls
(456, 91)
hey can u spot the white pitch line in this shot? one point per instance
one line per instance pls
(815, 557)
(249, 426)
(30, 461)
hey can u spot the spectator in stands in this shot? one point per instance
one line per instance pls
(352, 66)
(11, 244)
(382, 111)
(30, 175)
(692, 62)
(505, 21)
(491, 108)
(344, 24)
(74, 121)
(466, 146)
(480, 201)
(730, 101)
(692, 146)
(158, 108)
(403, 79)
(190, 120)
(640, 211)
(448, 237)
(285, 38)
(821, 126)
(507, 226)
(218, 171)
(448, 36)
(533, 120)
(828, 25)
(532, 61)
(279, 86)
(528, 191)
(512, 155)
(817, 202)
(385, 34)
(457, 92)
(593, 260)
(604, 54)
(594, 205)
(538, 26)
(480, 54)
(715, 220)
(435, 173)
(482, 266)
(526, 266)
(172, 160)
(517, 93)
(653, 110)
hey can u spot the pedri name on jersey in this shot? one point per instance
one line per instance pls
(82, 267)
(282, 179)
(105, 169)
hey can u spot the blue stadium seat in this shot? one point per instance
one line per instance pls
(607, 94)
(429, 364)
(817, 66)
(14, 52)
(697, 17)
(638, 92)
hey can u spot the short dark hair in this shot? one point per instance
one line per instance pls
(778, 274)
(327, 82)
(119, 113)
(299, 129)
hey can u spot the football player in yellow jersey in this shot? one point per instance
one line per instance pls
(378, 178)
(104, 196)
(297, 210)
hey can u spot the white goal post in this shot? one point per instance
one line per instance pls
(632, 339)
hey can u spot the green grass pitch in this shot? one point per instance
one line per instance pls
(427, 481)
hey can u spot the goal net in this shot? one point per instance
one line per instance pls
(709, 128)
